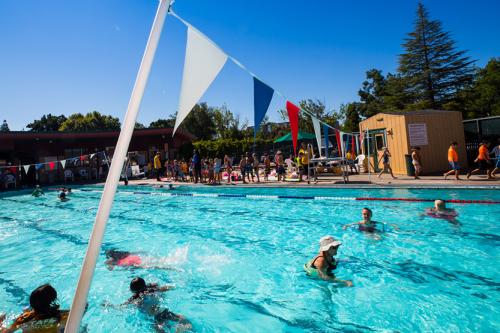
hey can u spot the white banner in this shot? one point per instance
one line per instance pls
(342, 144)
(317, 131)
(202, 63)
(63, 163)
(26, 168)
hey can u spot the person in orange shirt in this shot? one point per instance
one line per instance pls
(483, 161)
(453, 160)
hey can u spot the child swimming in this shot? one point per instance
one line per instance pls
(147, 299)
(365, 225)
(127, 259)
(440, 211)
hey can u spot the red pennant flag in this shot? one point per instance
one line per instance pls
(337, 137)
(82, 158)
(293, 118)
(353, 150)
(52, 165)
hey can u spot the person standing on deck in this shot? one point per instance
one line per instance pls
(453, 160)
(157, 165)
(483, 161)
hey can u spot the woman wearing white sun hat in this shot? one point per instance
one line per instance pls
(324, 263)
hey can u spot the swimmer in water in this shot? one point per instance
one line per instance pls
(440, 211)
(63, 197)
(366, 224)
(135, 260)
(147, 299)
(37, 191)
(324, 263)
(43, 315)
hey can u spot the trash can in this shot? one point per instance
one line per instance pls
(410, 169)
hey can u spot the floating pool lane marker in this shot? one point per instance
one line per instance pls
(296, 197)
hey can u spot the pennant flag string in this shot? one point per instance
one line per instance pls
(239, 64)
(26, 167)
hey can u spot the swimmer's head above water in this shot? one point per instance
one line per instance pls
(44, 299)
(366, 213)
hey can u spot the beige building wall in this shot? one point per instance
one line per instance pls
(442, 127)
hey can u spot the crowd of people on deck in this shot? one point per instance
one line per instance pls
(247, 168)
(250, 168)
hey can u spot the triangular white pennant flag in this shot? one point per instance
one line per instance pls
(342, 144)
(63, 163)
(92, 156)
(317, 131)
(26, 168)
(202, 63)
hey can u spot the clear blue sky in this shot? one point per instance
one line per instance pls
(63, 56)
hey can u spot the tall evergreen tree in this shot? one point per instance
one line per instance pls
(435, 69)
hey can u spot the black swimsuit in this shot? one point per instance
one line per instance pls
(331, 266)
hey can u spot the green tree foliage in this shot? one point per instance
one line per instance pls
(482, 99)
(232, 147)
(139, 125)
(379, 93)
(162, 123)
(434, 68)
(48, 123)
(227, 125)
(4, 127)
(92, 121)
(350, 113)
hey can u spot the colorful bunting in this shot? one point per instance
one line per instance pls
(262, 96)
(353, 145)
(63, 163)
(202, 63)
(52, 165)
(317, 131)
(293, 118)
(26, 168)
(92, 156)
(38, 166)
(337, 138)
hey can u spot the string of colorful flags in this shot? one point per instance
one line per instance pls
(204, 60)
(52, 164)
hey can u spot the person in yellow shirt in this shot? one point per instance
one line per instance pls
(157, 165)
(453, 160)
(483, 161)
(305, 155)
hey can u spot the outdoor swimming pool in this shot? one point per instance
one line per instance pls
(243, 271)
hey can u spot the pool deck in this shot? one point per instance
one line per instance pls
(357, 181)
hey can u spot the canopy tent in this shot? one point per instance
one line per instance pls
(301, 136)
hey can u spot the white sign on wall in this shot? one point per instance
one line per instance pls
(418, 134)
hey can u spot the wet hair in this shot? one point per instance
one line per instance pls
(369, 210)
(137, 285)
(116, 255)
(62, 195)
(44, 300)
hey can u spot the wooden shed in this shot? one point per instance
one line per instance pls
(431, 130)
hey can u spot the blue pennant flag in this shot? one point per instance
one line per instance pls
(38, 166)
(262, 95)
(325, 131)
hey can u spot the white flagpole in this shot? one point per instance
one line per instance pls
(368, 148)
(88, 268)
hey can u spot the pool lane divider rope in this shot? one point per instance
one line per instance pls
(298, 197)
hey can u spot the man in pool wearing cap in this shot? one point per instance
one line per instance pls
(324, 263)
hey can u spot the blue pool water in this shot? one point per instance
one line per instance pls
(240, 260)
